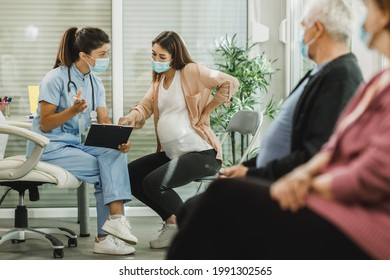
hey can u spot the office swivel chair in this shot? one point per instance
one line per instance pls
(245, 122)
(21, 174)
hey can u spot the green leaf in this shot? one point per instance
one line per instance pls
(254, 74)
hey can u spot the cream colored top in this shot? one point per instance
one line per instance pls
(177, 136)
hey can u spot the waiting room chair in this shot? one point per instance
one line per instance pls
(245, 122)
(21, 174)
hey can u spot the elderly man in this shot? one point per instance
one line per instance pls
(304, 124)
(308, 115)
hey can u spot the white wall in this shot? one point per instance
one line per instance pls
(271, 14)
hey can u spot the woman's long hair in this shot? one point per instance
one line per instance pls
(174, 45)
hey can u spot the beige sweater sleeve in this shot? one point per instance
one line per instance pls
(145, 108)
(225, 84)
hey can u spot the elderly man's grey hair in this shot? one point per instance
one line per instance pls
(335, 15)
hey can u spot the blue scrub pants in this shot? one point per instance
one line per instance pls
(105, 168)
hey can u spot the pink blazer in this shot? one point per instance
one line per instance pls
(360, 166)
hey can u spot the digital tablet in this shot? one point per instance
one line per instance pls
(108, 135)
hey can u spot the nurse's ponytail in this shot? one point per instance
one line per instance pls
(76, 40)
(66, 55)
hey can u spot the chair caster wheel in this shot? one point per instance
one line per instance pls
(72, 242)
(58, 253)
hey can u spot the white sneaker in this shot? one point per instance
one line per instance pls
(167, 234)
(120, 228)
(112, 246)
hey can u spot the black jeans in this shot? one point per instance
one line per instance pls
(153, 178)
(237, 219)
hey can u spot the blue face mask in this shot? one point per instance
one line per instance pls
(303, 48)
(160, 67)
(365, 37)
(101, 64)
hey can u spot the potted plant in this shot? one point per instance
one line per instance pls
(254, 73)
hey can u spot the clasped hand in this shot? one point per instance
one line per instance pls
(291, 190)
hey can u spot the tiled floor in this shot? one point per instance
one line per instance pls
(145, 228)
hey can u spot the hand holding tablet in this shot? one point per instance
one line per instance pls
(108, 135)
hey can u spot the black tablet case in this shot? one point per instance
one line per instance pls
(108, 135)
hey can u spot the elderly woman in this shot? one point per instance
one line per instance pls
(336, 206)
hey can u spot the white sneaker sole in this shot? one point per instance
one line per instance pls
(110, 252)
(132, 240)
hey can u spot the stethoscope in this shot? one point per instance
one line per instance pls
(93, 113)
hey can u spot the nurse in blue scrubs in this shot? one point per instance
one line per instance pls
(71, 97)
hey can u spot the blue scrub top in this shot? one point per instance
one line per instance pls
(54, 90)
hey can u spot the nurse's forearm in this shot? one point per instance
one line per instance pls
(51, 121)
(103, 115)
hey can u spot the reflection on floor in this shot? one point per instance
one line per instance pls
(145, 228)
